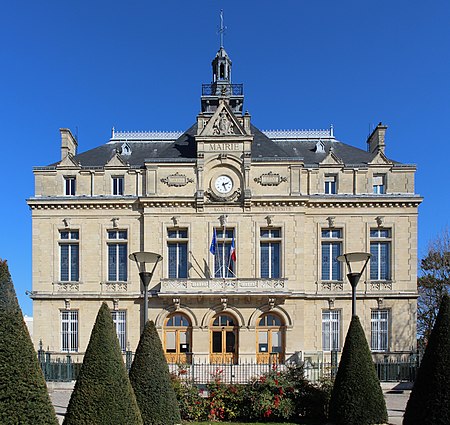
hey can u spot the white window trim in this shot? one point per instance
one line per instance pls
(72, 336)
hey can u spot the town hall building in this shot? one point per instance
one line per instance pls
(249, 224)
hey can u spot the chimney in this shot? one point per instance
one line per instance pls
(68, 143)
(375, 142)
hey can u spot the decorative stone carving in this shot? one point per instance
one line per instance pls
(330, 221)
(177, 180)
(332, 286)
(68, 286)
(66, 222)
(331, 303)
(116, 286)
(115, 221)
(175, 220)
(216, 198)
(270, 179)
(115, 304)
(380, 302)
(223, 125)
(271, 303)
(269, 219)
(224, 302)
(223, 220)
(176, 303)
(379, 220)
(67, 304)
(380, 286)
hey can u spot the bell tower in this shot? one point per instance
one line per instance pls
(221, 87)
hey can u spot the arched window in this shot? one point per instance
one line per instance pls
(224, 339)
(178, 339)
(270, 339)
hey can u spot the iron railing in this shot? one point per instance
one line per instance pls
(226, 89)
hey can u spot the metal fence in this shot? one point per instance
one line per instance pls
(388, 369)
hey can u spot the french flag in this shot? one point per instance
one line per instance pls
(233, 251)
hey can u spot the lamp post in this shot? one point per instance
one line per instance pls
(143, 258)
(353, 277)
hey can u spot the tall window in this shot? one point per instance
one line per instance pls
(331, 249)
(331, 330)
(378, 184)
(330, 184)
(379, 330)
(69, 330)
(117, 185)
(224, 265)
(117, 255)
(69, 255)
(380, 248)
(120, 323)
(177, 247)
(69, 185)
(270, 339)
(270, 243)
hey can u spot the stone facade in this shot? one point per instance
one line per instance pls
(290, 189)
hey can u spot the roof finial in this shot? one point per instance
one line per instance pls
(222, 29)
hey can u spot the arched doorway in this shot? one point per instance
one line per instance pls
(270, 339)
(224, 339)
(178, 339)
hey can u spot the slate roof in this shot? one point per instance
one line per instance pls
(184, 150)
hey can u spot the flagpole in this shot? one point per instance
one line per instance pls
(223, 250)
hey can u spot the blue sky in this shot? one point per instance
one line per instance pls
(139, 65)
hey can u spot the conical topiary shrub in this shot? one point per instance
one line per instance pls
(429, 402)
(357, 398)
(103, 394)
(23, 394)
(150, 378)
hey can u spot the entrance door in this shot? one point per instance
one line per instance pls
(270, 340)
(224, 340)
(177, 339)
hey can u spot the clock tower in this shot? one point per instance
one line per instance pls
(224, 140)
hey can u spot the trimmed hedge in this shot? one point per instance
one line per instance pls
(150, 378)
(429, 402)
(357, 398)
(23, 394)
(103, 394)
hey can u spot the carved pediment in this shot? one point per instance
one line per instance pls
(68, 162)
(380, 159)
(331, 158)
(222, 123)
(116, 162)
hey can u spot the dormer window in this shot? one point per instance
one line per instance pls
(330, 184)
(125, 149)
(320, 147)
(117, 185)
(69, 185)
(378, 184)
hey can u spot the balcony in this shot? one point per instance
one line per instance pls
(224, 286)
(222, 89)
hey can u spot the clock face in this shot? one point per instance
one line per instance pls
(223, 184)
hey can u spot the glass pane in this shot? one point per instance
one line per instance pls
(265, 260)
(112, 262)
(123, 262)
(64, 263)
(275, 260)
(170, 342)
(74, 263)
(276, 342)
(230, 342)
(263, 339)
(217, 342)
(64, 235)
(182, 266)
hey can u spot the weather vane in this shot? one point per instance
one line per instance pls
(222, 29)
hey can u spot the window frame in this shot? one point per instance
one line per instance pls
(72, 333)
(379, 336)
(333, 334)
(275, 240)
(117, 185)
(181, 242)
(378, 241)
(329, 242)
(70, 185)
(71, 242)
(116, 243)
(379, 188)
(223, 251)
(330, 184)
(119, 317)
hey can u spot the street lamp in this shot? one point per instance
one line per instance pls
(142, 259)
(358, 258)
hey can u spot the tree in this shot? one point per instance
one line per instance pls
(429, 402)
(150, 378)
(23, 393)
(103, 393)
(357, 398)
(433, 284)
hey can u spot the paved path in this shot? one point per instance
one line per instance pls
(396, 396)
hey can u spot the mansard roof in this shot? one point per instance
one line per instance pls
(297, 145)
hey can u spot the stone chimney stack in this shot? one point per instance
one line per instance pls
(375, 142)
(68, 143)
